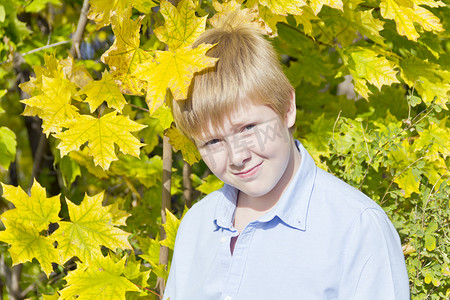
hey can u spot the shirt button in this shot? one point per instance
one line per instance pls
(223, 239)
(227, 298)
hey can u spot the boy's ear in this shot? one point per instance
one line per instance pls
(292, 111)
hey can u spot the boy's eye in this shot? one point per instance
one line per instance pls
(249, 126)
(212, 142)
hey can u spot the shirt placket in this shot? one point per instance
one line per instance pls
(238, 262)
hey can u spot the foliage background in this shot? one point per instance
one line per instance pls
(372, 85)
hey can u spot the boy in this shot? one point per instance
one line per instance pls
(280, 228)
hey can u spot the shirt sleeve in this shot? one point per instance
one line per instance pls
(374, 265)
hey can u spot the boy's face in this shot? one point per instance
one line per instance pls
(252, 150)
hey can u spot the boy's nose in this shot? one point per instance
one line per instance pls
(238, 155)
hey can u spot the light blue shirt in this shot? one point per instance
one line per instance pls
(323, 240)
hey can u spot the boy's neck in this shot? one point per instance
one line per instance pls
(250, 208)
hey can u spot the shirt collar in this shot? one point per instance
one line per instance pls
(292, 208)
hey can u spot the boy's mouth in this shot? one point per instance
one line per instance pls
(250, 172)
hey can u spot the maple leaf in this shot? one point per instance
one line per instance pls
(125, 55)
(100, 279)
(305, 19)
(284, 7)
(53, 104)
(249, 15)
(164, 116)
(429, 79)
(170, 228)
(31, 215)
(76, 74)
(27, 243)
(91, 226)
(147, 171)
(368, 25)
(407, 12)
(403, 157)
(133, 271)
(181, 142)
(105, 89)
(101, 12)
(36, 210)
(376, 69)
(316, 5)
(174, 70)
(101, 134)
(7, 147)
(367, 65)
(270, 19)
(182, 27)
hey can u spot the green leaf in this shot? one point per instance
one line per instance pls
(151, 249)
(430, 242)
(170, 227)
(2, 13)
(209, 184)
(429, 79)
(164, 116)
(38, 5)
(7, 147)
(100, 279)
(147, 171)
(70, 170)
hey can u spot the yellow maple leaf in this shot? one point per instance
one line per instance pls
(182, 27)
(101, 11)
(105, 89)
(27, 244)
(31, 215)
(36, 210)
(53, 105)
(101, 134)
(270, 19)
(184, 144)
(100, 279)
(316, 5)
(284, 7)
(76, 74)
(91, 226)
(407, 12)
(373, 67)
(249, 15)
(125, 55)
(305, 20)
(368, 66)
(174, 70)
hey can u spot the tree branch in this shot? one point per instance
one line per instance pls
(187, 184)
(78, 35)
(37, 50)
(165, 204)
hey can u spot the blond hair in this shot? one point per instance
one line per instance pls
(247, 70)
